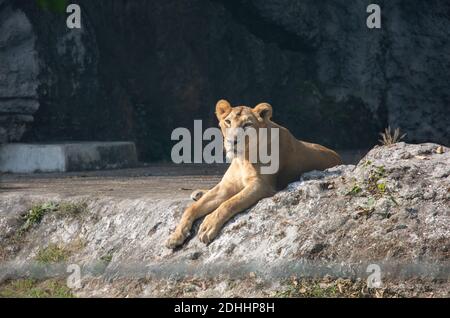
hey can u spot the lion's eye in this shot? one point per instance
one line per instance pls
(228, 122)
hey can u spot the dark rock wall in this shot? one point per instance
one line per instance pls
(138, 69)
(19, 69)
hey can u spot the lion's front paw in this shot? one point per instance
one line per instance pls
(175, 240)
(178, 237)
(209, 229)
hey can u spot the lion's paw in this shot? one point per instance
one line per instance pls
(209, 229)
(197, 194)
(174, 241)
(178, 237)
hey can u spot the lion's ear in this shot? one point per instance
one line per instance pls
(264, 111)
(223, 108)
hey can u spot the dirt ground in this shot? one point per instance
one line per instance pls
(156, 181)
(153, 181)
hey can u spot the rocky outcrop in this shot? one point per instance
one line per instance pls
(19, 70)
(391, 210)
(384, 68)
(135, 69)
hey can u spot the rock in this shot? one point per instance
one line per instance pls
(375, 66)
(314, 61)
(12, 127)
(19, 70)
(313, 234)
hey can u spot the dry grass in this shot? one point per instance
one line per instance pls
(389, 137)
(29, 288)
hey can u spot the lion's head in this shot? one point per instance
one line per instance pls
(240, 124)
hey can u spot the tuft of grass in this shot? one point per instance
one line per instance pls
(375, 183)
(290, 291)
(106, 258)
(328, 287)
(367, 163)
(72, 209)
(381, 186)
(389, 138)
(37, 212)
(35, 215)
(323, 292)
(30, 288)
(52, 254)
(355, 190)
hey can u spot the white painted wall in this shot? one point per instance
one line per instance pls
(30, 158)
(27, 158)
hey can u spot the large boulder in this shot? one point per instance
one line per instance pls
(391, 211)
(19, 70)
(398, 67)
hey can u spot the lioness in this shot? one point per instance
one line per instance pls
(243, 184)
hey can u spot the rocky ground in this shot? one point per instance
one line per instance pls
(323, 236)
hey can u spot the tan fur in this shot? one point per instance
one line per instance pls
(243, 185)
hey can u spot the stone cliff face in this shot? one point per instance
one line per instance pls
(391, 210)
(19, 70)
(136, 69)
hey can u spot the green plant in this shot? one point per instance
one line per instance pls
(367, 163)
(35, 215)
(355, 190)
(37, 212)
(370, 202)
(381, 186)
(58, 6)
(290, 291)
(72, 209)
(106, 258)
(389, 138)
(52, 254)
(321, 288)
(323, 292)
(30, 288)
(375, 182)
(393, 199)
